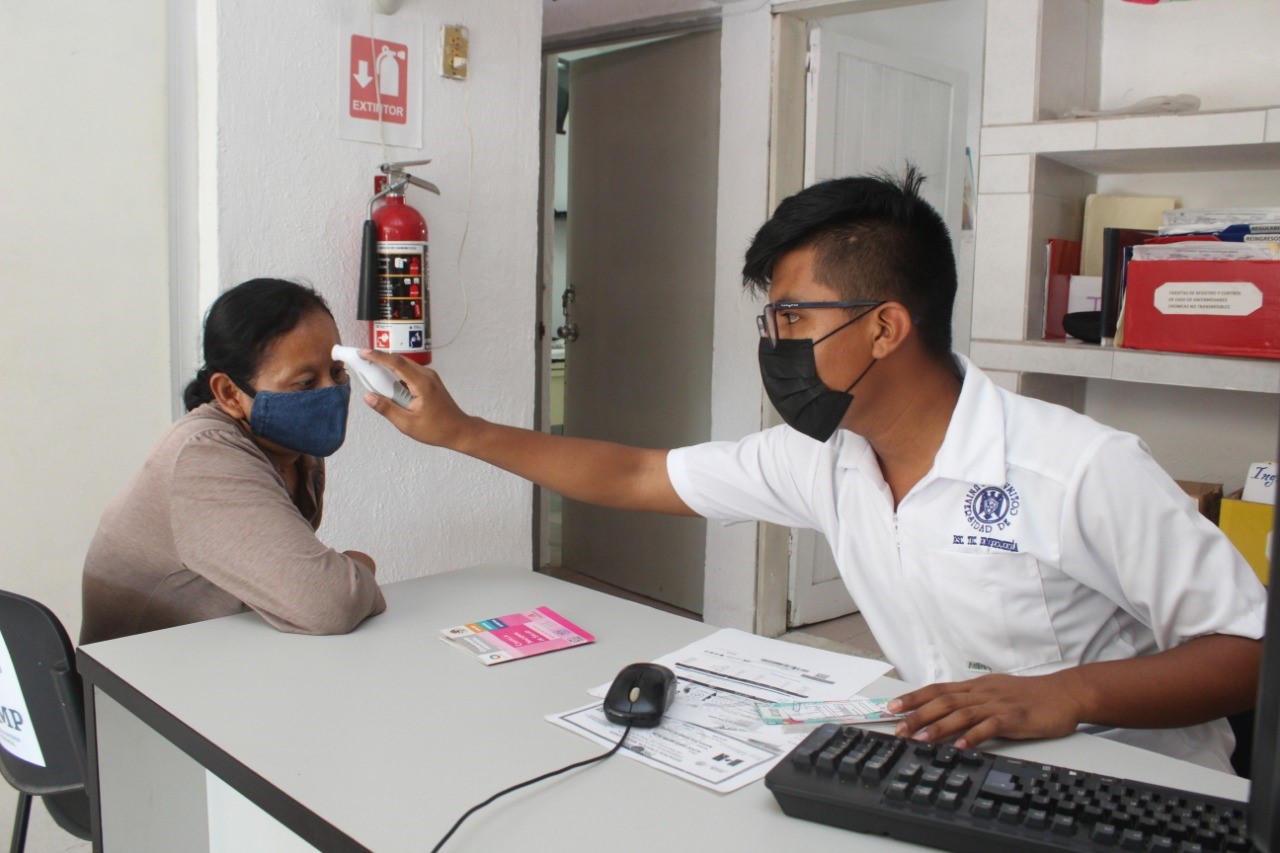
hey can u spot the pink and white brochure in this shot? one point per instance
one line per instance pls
(519, 635)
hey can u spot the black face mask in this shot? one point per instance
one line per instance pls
(790, 375)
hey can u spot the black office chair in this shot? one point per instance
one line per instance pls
(44, 662)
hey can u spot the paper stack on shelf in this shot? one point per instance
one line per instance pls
(1208, 282)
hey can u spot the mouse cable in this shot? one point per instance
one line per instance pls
(617, 746)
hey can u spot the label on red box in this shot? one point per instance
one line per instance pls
(1208, 298)
(1211, 307)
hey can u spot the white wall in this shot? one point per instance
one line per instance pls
(290, 200)
(1224, 52)
(729, 590)
(83, 249)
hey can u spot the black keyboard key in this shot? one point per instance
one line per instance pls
(1037, 818)
(875, 769)
(932, 775)
(923, 795)
(947, 801)
(1000, 785)
(1064, 824)
(926, 750)
(946, 756)
(1103, 833)
(983, 807)
(1208, 838)
(1161, 843)
(829, 758)
(1010, 813)
(806, 753)
(850, 766)
(971, 757)
(910, 771)
(957, 782)
(898, 789)
(1131, 839)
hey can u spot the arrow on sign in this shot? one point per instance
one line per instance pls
(363, 77)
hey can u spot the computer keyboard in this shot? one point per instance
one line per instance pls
(968, 800)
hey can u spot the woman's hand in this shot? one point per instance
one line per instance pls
(1008, 706)
(433, 417)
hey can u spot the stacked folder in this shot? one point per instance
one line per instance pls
(1207, 282)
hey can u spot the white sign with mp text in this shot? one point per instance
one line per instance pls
(17, 734)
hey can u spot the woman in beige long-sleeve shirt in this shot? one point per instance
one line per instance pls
(222, 516)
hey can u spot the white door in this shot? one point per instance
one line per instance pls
(643, 155)
(869, 109)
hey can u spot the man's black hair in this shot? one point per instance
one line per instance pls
(875, 238)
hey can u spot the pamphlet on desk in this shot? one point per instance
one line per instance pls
(516, 635)
(713, 734)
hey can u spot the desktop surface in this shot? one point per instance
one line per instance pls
(381, 738)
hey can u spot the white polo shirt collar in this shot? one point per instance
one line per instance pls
(972, 451)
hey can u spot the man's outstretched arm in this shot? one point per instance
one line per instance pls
(596, 472)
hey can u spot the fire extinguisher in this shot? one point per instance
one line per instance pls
(393, 297)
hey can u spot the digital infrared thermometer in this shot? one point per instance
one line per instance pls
(375, 377)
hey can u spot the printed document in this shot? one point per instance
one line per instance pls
(713, 734)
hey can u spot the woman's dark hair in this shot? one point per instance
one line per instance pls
(874, 238)
(242, 323)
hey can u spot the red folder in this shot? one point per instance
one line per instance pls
(1062, 263)
(1211, 307)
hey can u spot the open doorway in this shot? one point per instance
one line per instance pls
(628, 315)
(900, 82)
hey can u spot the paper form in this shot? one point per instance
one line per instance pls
(713, 734)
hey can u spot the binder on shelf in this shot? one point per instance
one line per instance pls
(1115, 243)
(1063, 262)
(1199, 306)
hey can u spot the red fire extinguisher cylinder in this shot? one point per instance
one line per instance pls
(398, 301)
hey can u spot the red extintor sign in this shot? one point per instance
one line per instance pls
(379, 80)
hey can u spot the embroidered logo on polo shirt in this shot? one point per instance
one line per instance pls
(991, 508)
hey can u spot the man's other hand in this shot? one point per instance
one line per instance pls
(991, 706)
(433, 417)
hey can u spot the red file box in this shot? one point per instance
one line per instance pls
(1211, 307)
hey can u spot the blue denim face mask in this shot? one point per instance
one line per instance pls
(313, 422)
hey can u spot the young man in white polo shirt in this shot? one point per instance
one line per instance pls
(1036, 569)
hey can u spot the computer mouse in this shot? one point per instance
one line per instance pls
(640, 695)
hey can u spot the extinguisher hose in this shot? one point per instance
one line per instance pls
(367, 300)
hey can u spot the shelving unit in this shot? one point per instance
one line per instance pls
(1044, 56)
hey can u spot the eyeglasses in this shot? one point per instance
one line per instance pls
(767, 323)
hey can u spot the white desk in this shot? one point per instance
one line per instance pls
(381, 738)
